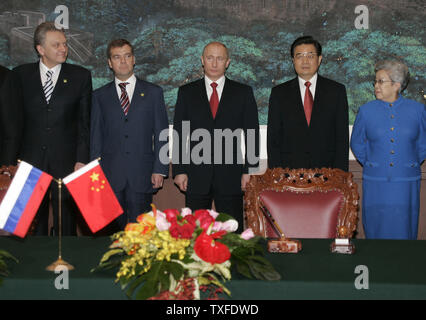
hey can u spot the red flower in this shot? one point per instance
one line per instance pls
(183, 228)
(171, 214)
(211, 251)
(204, 217)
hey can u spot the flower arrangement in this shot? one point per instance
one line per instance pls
(175, 255)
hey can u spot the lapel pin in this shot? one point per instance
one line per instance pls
(142, 94)
(65, 81)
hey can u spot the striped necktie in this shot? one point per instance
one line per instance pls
(48, 86)
(124, 98)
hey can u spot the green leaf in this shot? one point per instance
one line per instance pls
(244, 270)
(222, 217)
(151, 286)
(7, 255)
(109, 254)
(176, 270)
(4, 255)
(136, 283)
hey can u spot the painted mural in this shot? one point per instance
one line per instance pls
(169, 35)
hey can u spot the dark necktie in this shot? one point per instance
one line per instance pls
(124, 98)
(48, 86)
(308, 102)
(214, 100)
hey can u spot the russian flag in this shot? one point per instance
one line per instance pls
(23, 198)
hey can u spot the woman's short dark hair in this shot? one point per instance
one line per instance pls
(306, 40)
(117, 43)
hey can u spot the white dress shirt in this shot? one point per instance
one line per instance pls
(43, 70)
(302, 86)
(220, 84)
(130, 88)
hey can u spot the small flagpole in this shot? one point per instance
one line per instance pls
(59, 262)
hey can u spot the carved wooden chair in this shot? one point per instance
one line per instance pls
(6, 175)
(305, 203)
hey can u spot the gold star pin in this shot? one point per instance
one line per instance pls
(142, 94)
(94, 177)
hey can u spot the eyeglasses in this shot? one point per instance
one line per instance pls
(380, 82)
(309, 55)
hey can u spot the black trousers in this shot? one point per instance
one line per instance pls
(133, 204)
(229, 204)
(69, 211)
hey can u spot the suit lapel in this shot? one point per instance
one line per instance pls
(114, 99)
(203, 100)
(226, 95)
(35, 79)
(61, 84)
(138, 96)
(316, 109)
(297, 100)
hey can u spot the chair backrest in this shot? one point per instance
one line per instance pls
(305, 203)
(6, 175)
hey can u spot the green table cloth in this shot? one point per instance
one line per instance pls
(396, 270)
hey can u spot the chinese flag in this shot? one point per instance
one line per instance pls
(93, 195)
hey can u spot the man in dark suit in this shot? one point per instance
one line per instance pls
(210, 107)
(308, 116)
(3, 73)
(47, 118)
(128, 115)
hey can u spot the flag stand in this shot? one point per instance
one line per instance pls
(59, 261)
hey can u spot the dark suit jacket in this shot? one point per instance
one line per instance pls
(54, 136)
(129, 145)
(3, 73)
(325, 143)
(237, 110)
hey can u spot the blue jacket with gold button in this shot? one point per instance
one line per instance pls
(389, 139)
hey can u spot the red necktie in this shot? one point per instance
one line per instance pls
(214, 100)
(124, 98)
(308, 102)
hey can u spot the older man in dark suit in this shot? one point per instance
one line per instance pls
(47, 118)
(128, 116)
(308, 116)
(3, 73)
(214, 107)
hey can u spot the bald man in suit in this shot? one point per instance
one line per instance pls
(214, 104)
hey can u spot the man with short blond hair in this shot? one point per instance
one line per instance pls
(46, 120)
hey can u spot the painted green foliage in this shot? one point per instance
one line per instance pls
(359, 50)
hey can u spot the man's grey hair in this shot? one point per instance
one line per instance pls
(40, 33)
(397, 71)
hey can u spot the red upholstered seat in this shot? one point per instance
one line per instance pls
(305, 203)
(292, 210)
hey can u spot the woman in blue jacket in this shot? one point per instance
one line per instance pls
(389, 140)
